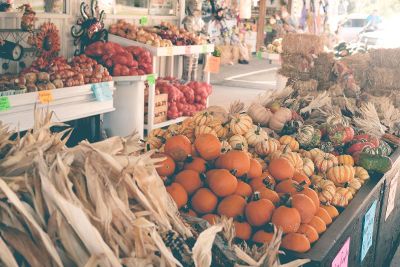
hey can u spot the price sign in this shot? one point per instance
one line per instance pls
(342, 258)
(45, 97)
(212, 64)
(259, 55)
(4, 103)
(392, 196)
(170, 51)
(143, 21)
(102, 92)
(188, 50)
(151, 79)
(368, 230)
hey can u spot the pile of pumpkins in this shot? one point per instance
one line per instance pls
(217, 165)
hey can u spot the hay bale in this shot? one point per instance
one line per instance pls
(385, 58)
(359, 65)
(323, 65)
(296, 62)
(305, 87)
(305, 44)
(296, 75)
(384, 78)
(336, 90)
(324, 86)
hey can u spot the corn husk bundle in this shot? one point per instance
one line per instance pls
(385, 58)
(305, 44)
(359, 64)
(323, 64)
(384, 78)
(99, 204)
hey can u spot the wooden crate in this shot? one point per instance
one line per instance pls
(160, 109)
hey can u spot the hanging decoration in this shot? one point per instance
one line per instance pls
(28, 18)
(89, 28)
(47, 41)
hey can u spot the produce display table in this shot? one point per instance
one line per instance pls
(67, 104)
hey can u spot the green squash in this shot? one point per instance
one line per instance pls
(376, 163)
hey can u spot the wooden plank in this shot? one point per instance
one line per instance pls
(261, 23)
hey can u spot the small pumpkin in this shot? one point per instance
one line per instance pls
(345, 160)
(332, 211)
(178, 147)
(157, 133)
(308, 167)
(279, 118)
(325, 161)
(305, 135)
(267, 193)
(290, 141)
(178, 194)
(288, 219)
(154, 143)
(211, 218)
(202, 118)
(219, 113)
(190, 180)
(255, 170)
(341, 174)
(308, 192)
(301, 178)
(222, 182)
(195, 164)
(234, 161)
(266, 180)
(263, 164)
(266, 147)
(353, 185)
(326, 190)
(287, 186)
(255, 136)
(309, 232)
(296, 242)
(243, 189)
(262, 237)
(311, 154)
(342, 197)
(259, 114)
(242, 230)
(318, 224)
(259, 211)
(208, 146)
(204, 201)
(315, 179)
(225, 146)
(305, 206)
(361, 174)
(232, 206)
(221, 130)
(240, 124)
(167, 166)
(281, 169)
(238, 142)
(203, 129)
(295, 159)
(324, 215)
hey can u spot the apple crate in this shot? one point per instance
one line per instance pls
(160, 108)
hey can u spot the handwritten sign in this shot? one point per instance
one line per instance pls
(392, 196)
(4, 103)
(188, 50)
(212, 64)
(368, 230)
(45, 97)
(342, 258)
(143, 21)
(151, 79)
(102, 92)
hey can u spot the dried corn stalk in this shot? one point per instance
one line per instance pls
(370, 122)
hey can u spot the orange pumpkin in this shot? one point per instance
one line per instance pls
(232, 206)
(178, 194)
(241, 124)
(309, 232)
(281, 169)
(203, 118)
(266, 180)
(301, 178)
(204, 201)
(305, 206)
(296, 242)
(195, 164)
(288, 219)
(290, 141)
(266, 193)
(341, 174)
(178, 147)
(287, 187)
(211, 218)
(185, 210)
(324, 215)
(243, 189)
(208, 146)
(325, 161)
(242, 230)
(318, 224)
(345, 160)
(262, 163)
(258, 212)
(167, 167)
(222, 182)
(190, 180)
(266, 147)
(255, 169)
(333, 212)
(262, 237)
(310, 193)
(234, 160)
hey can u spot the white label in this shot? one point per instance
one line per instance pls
(392, 196)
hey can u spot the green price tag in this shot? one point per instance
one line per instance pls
(151, 79)
(204, 49)
(259, 55)
(4, 103)
(143, 21)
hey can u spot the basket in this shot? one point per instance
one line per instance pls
(160, 108)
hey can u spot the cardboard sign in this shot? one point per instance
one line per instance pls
(188, 50)
(102, 92)
(342, 258)
(151, 79)
(143, 21)
(45, 97)
(368, 230)
(4, 103)
(212, 64)
(392, 195)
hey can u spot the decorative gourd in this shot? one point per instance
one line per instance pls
(305, 135)
(208, 146)
(353, 185)
(232, 206)
(219, 113)
(345, 160)
(167, 166)
(203, 129)
(316, 179)
(221, 130)
(238, 142)
(189, 180)
(342, 197)
(178, 194)
(341, 174)
(202, 118)
(259, 114)
(195, 164)
(178, 147)
(266, 147)
(204, 201)
(291, 127)
(308, 167)
(325, 161)
(235, 161)
(327, 147)
(243, 189)
(255, 170)
(289, 140)
(255, 136)
(295, 159)
(318, 224)
(281, 169)
(242, 230)
(333, 212)
(240, 124)
(326, 190)
(157, 133)
(324, 215)
(259, 211)
(262, 237)
(189, 132)
(211, 218)
(222, 182)
(287, 219)
(153, 143)
(305, 206)
(296, 242)
(225, 146)
(361, 174)
(279, 118)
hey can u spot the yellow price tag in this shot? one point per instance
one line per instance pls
(45, 97)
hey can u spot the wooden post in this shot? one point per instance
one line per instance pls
(289, 6)
(261, 23)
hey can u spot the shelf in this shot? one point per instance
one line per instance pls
(165, 123)
(165, 51)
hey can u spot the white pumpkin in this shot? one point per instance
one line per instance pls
(238, 142)
(279, 118)
(255, 136)
(259, 114)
